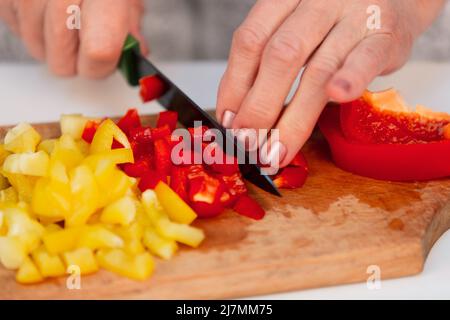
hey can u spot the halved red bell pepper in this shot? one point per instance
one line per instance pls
(151, 88)
(396, 162)
(167, 118)
(248, 207)
(129, 121)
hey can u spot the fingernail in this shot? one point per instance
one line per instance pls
(227, 119)
(343, 84)
(276, 154)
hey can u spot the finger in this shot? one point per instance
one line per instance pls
(299, 118)
(8, 13)
(368, 60)
(136, 12)
(31, 24)
(102, 35)
(61, 43)
(283, 58)
(247, 47)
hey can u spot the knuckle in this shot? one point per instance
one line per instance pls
(285, 48)
(249, 39)
(322, 68)
(372, 54)
(256, 115)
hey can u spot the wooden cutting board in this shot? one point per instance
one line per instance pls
(327, 233)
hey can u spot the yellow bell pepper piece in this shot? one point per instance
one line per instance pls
(73, 124)
(83, 258)
(114, 156)
(98, 237)
(22, 138)
(104, 136)
(8, 195)
(85, 193)
(24, 185)
(51, 199)
(183, 233)
(49, 265)
(162, 247)
(121, 212)
(4, 183)
(12, 252)
(23, 227)
(58, 172)
(132, 236)
(61, 240)
(52, 227)
(47, 145)
(28, 273)
(3, 153)
(67, 151)
(138, 267)
(32, 164)
(83, 146)
(178, 210)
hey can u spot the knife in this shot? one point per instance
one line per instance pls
(134, 66)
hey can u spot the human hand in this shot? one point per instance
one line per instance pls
(332, 40)
(92, 51)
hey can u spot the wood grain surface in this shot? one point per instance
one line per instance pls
(327, 233)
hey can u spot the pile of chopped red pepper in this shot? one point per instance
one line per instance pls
(378, 136)
(208, 188)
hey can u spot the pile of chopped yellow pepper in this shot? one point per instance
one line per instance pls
(64, 203)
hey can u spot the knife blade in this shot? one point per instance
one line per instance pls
(134, 66)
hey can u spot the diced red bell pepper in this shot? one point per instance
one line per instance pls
(384, 118)
(162, 159)
(161, 132)
(151, 87)
(129, 121)
(299, 161)
(150, 179)
(138, 168)
(169, 118)
(395, 162)
(89, 130)
(179, 181)
(248, 207)
(141, 134)
(291, 178)
(228, 164)
(235, 184)
(204, 194)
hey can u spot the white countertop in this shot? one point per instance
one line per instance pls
(29, 93)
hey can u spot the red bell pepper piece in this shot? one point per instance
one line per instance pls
(291, 177)
(89, 130)
(384, 118)
(151, 87)
(395, 162)
(179, 181)
(299, 161)
(138, 168)
(129, 121)
(163, 132)
(228, 164)
(162, 160)
(167, 118)
(205, 194)
(140, 134)
(150, 179)
(248, 207)
(235, 184)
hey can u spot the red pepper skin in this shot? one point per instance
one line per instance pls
(291, 178)
(162, 159)
(89, 131)
(151, 88)
(179, 181)
(169, 118)
(129, 121)
(299, 161)
(137, 169)
(150, 179)
(163, 132)
(204, 195)
(394, 162)
(248, 207)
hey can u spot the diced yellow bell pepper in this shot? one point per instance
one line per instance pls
(83, 146)
(132, 236)
(162, 247)
(138, 267)
(83, 258)
(32, 164)
(49, 265)
(58, 172)
(151, 206)
(23, 227)
(178, 210)
(12, 252)
(85, 195)
(98, 237)
(73, 124)
(52, 227)
(121, 212)
(51, 199)
(115, 182)
(24, 185)
(47, 145)
(104, 136)
(67, 151)
(3, 153)
(28, 273)
(183, 233)
(63, 240)
(4, 183)
(22, 138)
(114, 156)
(8, 195)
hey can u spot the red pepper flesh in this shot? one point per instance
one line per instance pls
(167, 118)
(151, 88)
(248, 207)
